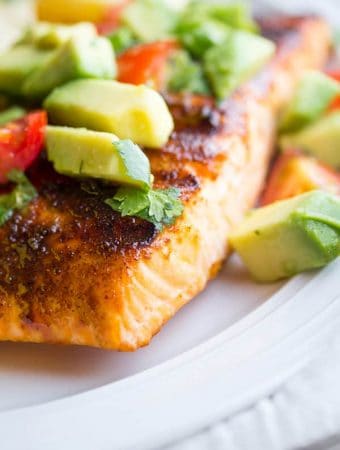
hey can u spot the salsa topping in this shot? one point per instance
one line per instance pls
(21, 142)
(158, 206)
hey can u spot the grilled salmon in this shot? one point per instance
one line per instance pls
(72, 271)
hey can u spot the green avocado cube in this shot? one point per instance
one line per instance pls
(320, 139)
(149, 20)
(78, 152)
(202, 25)
(50, 36)
(290, 236)
(234, 15)
(16, 64)
(314, 94)
(131, 112)
(230, 64)
(197, 38)
(77, 58)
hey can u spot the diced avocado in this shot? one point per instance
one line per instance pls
(199, 37)
(10, 114)
(185, 75)
(84, 153)
(16, 64)
(290, 236)
(131, 112)
(149, 20)
(314, 94)
(73, 11)
(234, 15)
(79, 57)
(230, 64)
(321, 139)
(203, 25)
(48, 35)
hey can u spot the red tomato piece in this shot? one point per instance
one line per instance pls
(146, 63)
(294, 173)
(21, 142)
(112, 18)
(335, 104)
(334, 73)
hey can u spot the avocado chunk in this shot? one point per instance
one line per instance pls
(16, 64)
(314, 94)
(290, 236)
(234, 15)
(10, 114)
(149, 20)
(199, 37)
(77, 58)
(203, 25)
(79, 152)
(49, 36)
(230, 64)
(131, 112)
(321, 139)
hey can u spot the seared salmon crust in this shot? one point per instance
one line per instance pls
(72, 271)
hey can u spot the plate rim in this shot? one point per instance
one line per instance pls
(150, 390)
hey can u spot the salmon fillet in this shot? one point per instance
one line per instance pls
(72, 271)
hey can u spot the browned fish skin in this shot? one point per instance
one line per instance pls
(72, 271)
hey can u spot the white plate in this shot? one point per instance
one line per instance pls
(116, 407)
(232, 344)
(31, 374)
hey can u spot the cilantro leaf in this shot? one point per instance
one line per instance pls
(129, 201)
(136, 163)
(158, 206)
(21, 196)
(122, 39)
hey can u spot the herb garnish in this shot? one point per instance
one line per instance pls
(21, 196)
(158, 206)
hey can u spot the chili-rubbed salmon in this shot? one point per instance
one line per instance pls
(72, 271)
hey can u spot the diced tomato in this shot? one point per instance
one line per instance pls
(334, 73)
(294, 174)
(146, 64)
(21, 142)
(112, 18)
(335, 104)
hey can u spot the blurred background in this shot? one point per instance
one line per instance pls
(14, 13)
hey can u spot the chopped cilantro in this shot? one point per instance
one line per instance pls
(199, 37)
(185, 75)
(137, 165)
(158, 206)
(122, 39)
(20, 197)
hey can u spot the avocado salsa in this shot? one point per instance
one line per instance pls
(101, 81)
